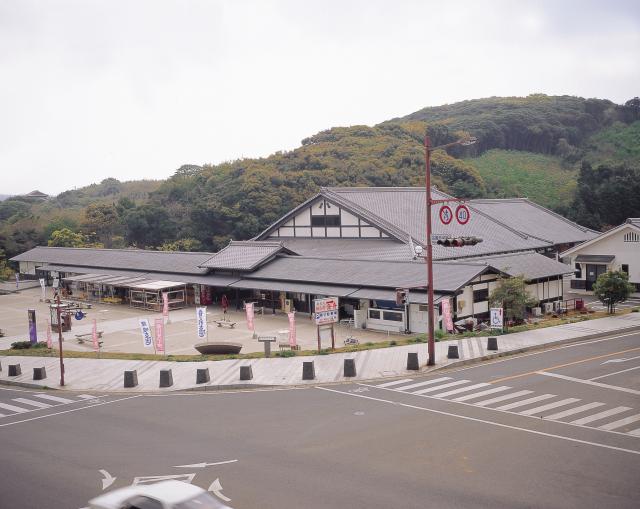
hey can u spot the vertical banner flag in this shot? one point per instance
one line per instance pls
(446, 313)
(496, 318)
(160, 334)
(165, 304)
(42, 284)
(292, 328)
(145, 328)
(49, 343)
(94, 335)
(33, 332)
(201, 322)
(17, 280)
(249, 307)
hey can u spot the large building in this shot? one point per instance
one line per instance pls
(354, 243)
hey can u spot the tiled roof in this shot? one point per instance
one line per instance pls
(531, 265)
(354, 249)
(244, 255)
(127, 259)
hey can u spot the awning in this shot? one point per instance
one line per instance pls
(209, 280)
(155, 285)
(90, 270)
(595, 258)
(288, 286)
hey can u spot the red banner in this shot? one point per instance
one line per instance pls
(249, 309)
(49, 343)
(159, 322)
(165, 304)
(94, 336)
(292, 328)
(446, 313)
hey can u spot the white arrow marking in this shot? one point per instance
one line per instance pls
(108, 479)
(202, 465)
(622, 359)
(216, 489)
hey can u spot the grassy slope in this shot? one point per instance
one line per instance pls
(541, 178)
(617, 144)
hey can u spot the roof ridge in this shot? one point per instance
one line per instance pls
(549, 211)
(122, 250)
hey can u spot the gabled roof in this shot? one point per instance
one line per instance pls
(354, 249)
(245, 255)
(128, 259)
(632, 222)
(529, 264)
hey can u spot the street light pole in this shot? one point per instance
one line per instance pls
(60, 340)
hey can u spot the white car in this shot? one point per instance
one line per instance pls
(162, 495)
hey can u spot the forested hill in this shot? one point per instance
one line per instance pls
(540, 147)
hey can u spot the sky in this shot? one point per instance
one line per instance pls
(133, 89)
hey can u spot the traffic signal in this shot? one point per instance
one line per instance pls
(401, 297)
(459, 241)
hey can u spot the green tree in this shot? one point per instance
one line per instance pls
(66, 238)
(511, 294)
(102, 221)
(148, 226)
(613, 287)
(5, 270)
(182, 245)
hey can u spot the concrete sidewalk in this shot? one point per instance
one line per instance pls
(108, 375)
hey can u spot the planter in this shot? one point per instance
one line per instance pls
(218, 347)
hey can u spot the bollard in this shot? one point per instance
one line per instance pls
(246, 373)
(308, 370)
(166, 378)
(453, 352)
(412, 361)
(492, 343)
(349, 367)
(39, 373)
(14, 370)
(202, 376)
(130, 378)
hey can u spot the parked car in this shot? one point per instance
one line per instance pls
(162, 495)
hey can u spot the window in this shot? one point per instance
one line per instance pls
(325, 220)
(393, 316)
(631, 237)
(374, 313)
(625, 268)
(578, 271)
(480, 295)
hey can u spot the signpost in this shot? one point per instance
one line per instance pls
(446, 214)
(496, 320)
(462, 214)
(33, 331)
(325, 315)
(201, 322)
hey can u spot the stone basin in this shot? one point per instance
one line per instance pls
(218, 347)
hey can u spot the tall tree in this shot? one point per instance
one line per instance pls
(102, 222)
(613, 287)
(66, 238)
(511, 294)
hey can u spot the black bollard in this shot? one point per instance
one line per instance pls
(453, 352)
(14, 370)
(202, 376)
(166, 378)
(308, 370)
(349, 367)
(492, 343)
(246, 373)
(412, 361)
(39, 373)
(130, 378)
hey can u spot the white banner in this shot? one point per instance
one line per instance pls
(249, 310)
(42, 284)
(496, 320)
(147, 337)
(94, 336)
(201, 322)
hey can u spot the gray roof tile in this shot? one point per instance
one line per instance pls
(245, 255)
(531, 265)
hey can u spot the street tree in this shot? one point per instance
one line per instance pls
(102, 221)
(66, 238)
(612, 287)
(511, 294)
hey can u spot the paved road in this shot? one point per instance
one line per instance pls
(559, 428)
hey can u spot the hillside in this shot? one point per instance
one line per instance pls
(531, 146)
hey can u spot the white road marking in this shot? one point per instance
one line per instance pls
(395, 382)
(622, 359)
(86, 396)
(474, 419)
(588, 382)
(634, 432)
(442, 386)
(549, 406)
(486, 393)
(498, 399)
(15, 409)
(38, 404)
(203, 464)
(216, 489)
(150, 479)
(421, 384)
(524, 402)
(573, 411)
(108, 479)
(601, 415)
(55, 398)
(457, 391)
(614, 373)
(620, 423)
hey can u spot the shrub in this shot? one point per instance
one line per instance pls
(286, 353)
(21, 345)
(393, 342)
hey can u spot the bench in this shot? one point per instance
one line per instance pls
(88, 337)
(224, 323)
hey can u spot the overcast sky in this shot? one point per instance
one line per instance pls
(134, 89)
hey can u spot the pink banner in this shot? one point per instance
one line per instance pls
(165, 304)
(446, 313)
(249, 308)
(159, 334)
(292, 328)
(94, 336)
(49, 342)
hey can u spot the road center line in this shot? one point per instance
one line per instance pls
(589, 382)
(557, 366)
(475, 419)
(68, 411)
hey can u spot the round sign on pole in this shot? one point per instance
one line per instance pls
(446, 214)
(462, 214)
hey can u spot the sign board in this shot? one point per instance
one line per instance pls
(325, 310)
(165, 304)
(446, 214)
(446, 313)
(250, 316)
(201, 322)
(292, 328)
(145, 328)
(496, 318)
(462, 214)
(33, 332)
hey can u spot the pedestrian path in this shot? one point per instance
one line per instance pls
(37, 402)
(620, 419)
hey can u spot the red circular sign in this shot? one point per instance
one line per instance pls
(446, 214)
(462, 214)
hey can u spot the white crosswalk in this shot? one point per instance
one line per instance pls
(522, 402)
(31, 404)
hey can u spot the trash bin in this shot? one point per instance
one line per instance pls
(579, 303)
